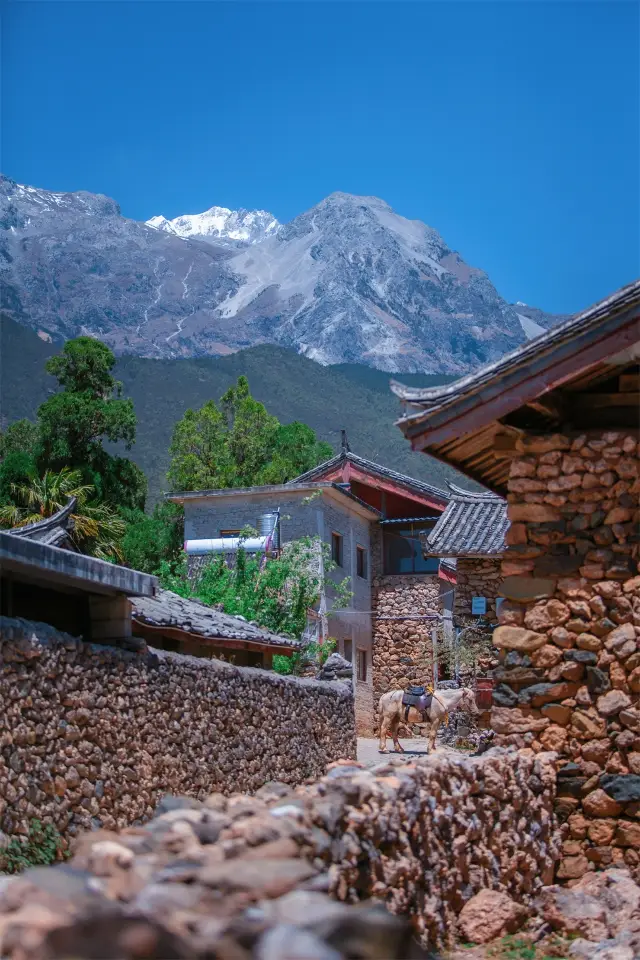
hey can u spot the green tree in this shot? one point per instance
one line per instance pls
(88, 411)
(96, 527)
(200, 457)
(295, 450)
(251, 433)
(22, 436)
(150, 541)
(239, 444)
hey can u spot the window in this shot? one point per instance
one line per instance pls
(403, 548)
(348, 649)
(362, 666)
(361, 563)
(336, 549)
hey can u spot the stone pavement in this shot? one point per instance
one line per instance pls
(415, 747)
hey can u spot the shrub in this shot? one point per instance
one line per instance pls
(42, 846)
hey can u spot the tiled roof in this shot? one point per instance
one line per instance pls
(432, 398)
(348, 457)
(171, 611)
(53, 530)
(473, 525)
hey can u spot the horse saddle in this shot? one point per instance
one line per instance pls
(417, 698)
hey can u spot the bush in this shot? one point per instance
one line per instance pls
(41, 847)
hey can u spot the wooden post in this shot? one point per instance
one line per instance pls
(434, 644)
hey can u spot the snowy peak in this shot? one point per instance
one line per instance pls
(348, 281)
(221, 225)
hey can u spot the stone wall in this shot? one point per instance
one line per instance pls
(402, 644)
(477, 577)
(234, 877)
(93, 735)
(569, 680)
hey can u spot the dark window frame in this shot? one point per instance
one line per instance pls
(361, 665)
(362, 562)
(337, 548)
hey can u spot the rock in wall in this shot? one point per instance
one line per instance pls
(569, 680)
(231, 875)
(476, 577)
(94, 736)
(402, 644)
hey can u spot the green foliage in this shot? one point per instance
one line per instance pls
(85, 364)
(239, 444)
(473, 643)
(16, 469)
(276, 594)
(41, 847)
(74, 423)
(312, 652)
(23, 436)
(519, 947)
(18, 452)
(97, 528)
(150, 541)
(295, 450)
(199, 456)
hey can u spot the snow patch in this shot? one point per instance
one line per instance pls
(530, 328)
(246, 226)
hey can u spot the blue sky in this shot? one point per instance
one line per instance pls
(511, 127)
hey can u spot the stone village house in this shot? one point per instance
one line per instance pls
(554, 427)
(375, 522)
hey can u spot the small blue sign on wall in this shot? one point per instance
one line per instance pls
(478, 605)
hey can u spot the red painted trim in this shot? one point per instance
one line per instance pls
(390, 487)
(449, 577)
(349, 472)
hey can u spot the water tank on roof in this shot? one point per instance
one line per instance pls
(269, 526)
(195, 548)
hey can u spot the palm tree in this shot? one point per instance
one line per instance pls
(97, 528)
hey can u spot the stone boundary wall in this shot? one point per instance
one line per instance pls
(421, 839)
(94, 736)
(569, 679)
(477, 577)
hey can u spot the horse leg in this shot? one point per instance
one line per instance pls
(433, 733)
(384, 732)
(395, 725)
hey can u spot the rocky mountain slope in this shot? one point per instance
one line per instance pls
(347, 281)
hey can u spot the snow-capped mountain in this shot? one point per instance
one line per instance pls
(347, 281)
(235, 227)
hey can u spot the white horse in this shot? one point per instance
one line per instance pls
(393, 713)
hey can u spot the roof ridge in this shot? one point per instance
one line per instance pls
(427, 395)
(349, 455)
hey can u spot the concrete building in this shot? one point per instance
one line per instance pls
(372, 520)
